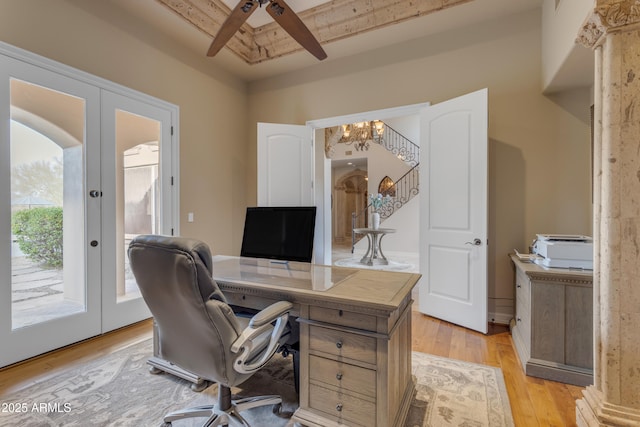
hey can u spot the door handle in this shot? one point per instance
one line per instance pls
(476, 242)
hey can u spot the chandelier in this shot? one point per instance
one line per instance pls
(359, 134)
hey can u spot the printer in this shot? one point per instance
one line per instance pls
(563, 251)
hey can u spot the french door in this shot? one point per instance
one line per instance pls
(136, 197)
(83, 169)
(50, 152)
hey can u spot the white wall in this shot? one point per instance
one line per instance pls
(407, 126)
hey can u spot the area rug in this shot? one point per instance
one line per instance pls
(391, 266)
(118, 390)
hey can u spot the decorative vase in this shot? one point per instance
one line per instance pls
(375, 220)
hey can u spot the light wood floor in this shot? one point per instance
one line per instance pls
(534, 402)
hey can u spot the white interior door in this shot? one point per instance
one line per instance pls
(453, 187)
(285, 165)
(49, 158)
(136, 194)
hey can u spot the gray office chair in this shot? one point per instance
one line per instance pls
(197, 330)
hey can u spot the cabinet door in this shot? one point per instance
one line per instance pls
(579, 326)
(547, 321)
(523, 308)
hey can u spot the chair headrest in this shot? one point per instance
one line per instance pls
(189, 246)
(186, 244)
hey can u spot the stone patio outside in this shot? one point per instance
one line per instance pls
(37, 294)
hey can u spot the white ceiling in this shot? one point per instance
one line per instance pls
(187, 38)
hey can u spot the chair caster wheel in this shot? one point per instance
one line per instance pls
(198, 387)
(277, 410)
(165, 424)
(155, 371)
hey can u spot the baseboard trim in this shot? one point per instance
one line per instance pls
(500, 318)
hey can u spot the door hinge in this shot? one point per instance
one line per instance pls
(171, 180)
(171, 130)
(172, 231)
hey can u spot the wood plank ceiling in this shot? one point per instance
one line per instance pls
(329, 22)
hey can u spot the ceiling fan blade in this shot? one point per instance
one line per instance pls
(292, 24)
(238, 16)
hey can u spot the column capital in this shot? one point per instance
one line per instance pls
(608, 15)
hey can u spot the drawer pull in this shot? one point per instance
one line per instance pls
(339, 376)
(518, 286)
(339, 344)
(339, 407)
(340, 313)
(519, 319)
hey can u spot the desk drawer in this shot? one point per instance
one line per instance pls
(342, 343)
(343, 375)
(343, 318)
(248, 301)
(341, 406)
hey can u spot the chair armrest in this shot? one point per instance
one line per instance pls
(269, 314)
(259, 325)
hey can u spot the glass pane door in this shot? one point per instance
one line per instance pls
(44, 169)
(138, 149)
(46, 296)
(136, 136)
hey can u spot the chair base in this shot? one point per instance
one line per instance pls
(158, 365)
(220, 417)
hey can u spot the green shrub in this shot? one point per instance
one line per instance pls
(39, 234)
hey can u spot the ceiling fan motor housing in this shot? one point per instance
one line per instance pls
(282, 14)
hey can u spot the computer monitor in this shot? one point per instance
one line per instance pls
(279, 233)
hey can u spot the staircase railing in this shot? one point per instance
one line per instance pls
(403, 190)
(400, 146)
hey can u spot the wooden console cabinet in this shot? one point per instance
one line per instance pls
(553, 325)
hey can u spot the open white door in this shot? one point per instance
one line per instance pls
(286, 174)
(285, 165)
(453, 187)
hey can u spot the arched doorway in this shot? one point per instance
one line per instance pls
(349, 196)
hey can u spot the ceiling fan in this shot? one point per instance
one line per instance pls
(280, 12)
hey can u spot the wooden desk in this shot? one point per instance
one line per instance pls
(355, 335)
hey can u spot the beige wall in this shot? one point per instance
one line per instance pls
(212, 133)
(561, 24)
(539, 149)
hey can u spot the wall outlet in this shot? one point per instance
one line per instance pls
(190, 217)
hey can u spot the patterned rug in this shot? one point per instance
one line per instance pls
(117, 390)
